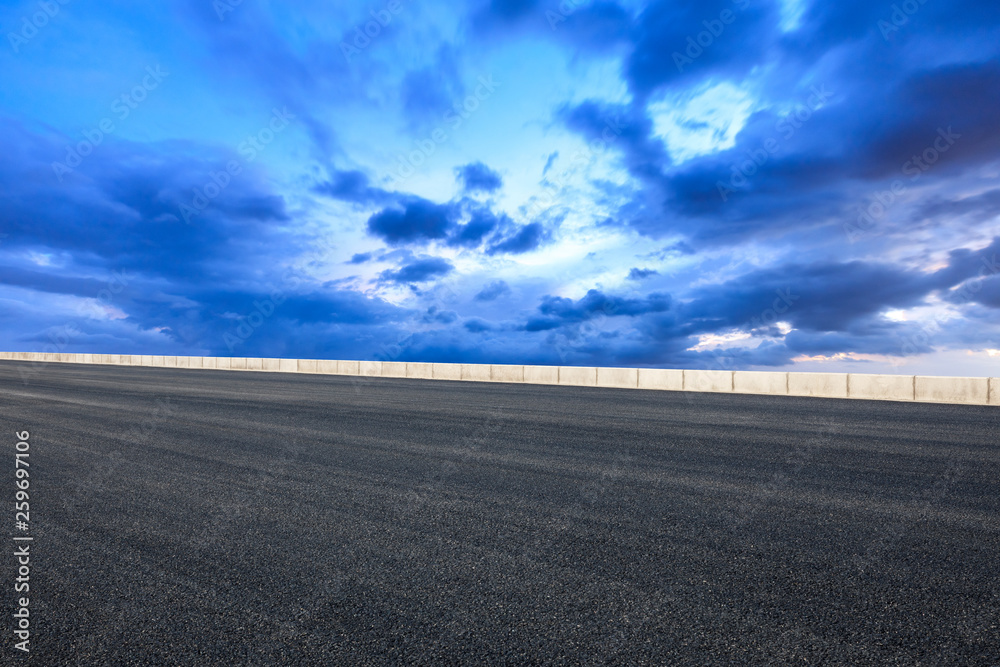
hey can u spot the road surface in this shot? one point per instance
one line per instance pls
(219, 517)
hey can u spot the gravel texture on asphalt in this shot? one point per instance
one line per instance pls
(187, 517)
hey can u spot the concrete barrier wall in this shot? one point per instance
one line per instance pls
(661, 378)
(753, 382)
(884, 387)
(825, 385)
(578, 376)
(540, 374)
(970, 391)
(624, 378)
(957, 390)
(446, 371)
(714, 381)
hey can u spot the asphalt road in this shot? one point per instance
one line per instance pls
(185, 517)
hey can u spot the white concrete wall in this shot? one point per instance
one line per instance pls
(822, 385)
(348, 367)
(506, 373)
(326, 366)
(624, 378)
(661, 378)
(753, 382)
(713, 381)
(956, 390)
(446, 371)
(393, 369)
(578, 376)
(970, 391)
(418, 370)
(477, 372)
(370, 368)
(880, 387)
(541, 374)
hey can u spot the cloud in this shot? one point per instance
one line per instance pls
(476, 176)
(418, 271)
(417, 221)
(481, 224)
(476, 325)
(557, 311)
(527, 238)
(427, 92)
(642, 274)
(352, 186)
(493, 291)
(676, 41)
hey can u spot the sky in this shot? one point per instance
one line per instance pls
(727, 184)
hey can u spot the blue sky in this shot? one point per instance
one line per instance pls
(723, 184)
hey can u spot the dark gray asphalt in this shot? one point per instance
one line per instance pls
(190, 517)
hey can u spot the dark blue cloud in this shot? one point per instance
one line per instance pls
(493, 291)
(353, 186)
(476, 176)
(420, 270)
(527, 238)
(512, 9)
(557, 311)
(476, 325)
(677, 41)
(481, 224)
(585, 26)
(642, 274)
(417, 221)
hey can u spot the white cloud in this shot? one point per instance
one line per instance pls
(704, 122)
